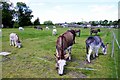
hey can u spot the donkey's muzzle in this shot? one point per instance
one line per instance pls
(60, 74)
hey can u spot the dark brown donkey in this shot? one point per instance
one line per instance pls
(94, 31)
(64, 43)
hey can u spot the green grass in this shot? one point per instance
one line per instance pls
(36, 58)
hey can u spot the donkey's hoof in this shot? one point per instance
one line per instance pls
(70, 59)
(88, 62)
(56, 68)
(60, 74)
(96, 55)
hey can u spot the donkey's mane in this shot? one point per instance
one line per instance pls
(72, 31)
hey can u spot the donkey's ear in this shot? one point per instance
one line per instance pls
(55, 55)
(66, 56)
(106, 44)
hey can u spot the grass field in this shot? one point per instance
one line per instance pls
(36, 58)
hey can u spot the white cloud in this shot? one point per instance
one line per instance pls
(103, 8)
(95, 12)
(25, 1)
(103, 12)
(36, 4)
(60, 11)
(58, 7)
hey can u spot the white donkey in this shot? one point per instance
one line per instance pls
(21, 28)
(14, 40)
(54, 32)
(54, 27)
(47, 28)
(93, 43)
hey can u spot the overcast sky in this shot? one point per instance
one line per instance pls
(72, 10)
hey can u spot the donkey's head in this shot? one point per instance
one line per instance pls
(104, 48)
(19, 44)
(98, 30)
(61, 62)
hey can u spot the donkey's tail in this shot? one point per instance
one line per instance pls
(87, 45)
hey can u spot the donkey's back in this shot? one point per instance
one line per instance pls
(93, 41)
(14, 36)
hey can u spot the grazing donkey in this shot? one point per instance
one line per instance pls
(47, 28)
(54, 32)
(64, 43)
(21, 28)
(38, 28)
(54, 27)
(94, 31)
(14, 40)
(94, 43)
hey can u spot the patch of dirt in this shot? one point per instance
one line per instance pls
(7, 58)
(48, 58)
(81, 64)
(77, 75)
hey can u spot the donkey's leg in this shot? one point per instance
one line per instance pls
(94, 55)
(96, 51)
(88, 55)
(96, 33)
(10, 42)
(15, 43)
(79, 34)
(90, 33)
(69, 52)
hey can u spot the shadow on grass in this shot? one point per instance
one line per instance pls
(74, 72)
(92, 57)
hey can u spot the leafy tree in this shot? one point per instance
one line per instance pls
(96, 23)
(115, 23)
(93, 23)
(101, 22)
(23, 14)
(7, 14)
(110, 23)
(105, 22)
(37, 22)
(79, 23)
(48, 22)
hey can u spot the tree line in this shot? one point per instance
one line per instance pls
(21, 15)
(102, 23)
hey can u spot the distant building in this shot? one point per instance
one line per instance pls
(68, 25)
